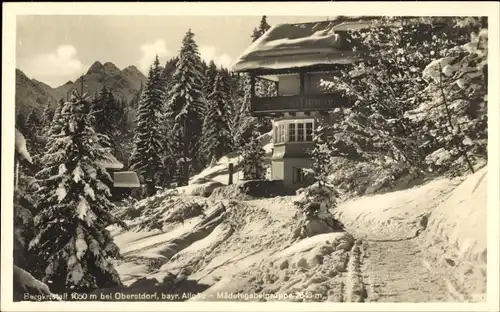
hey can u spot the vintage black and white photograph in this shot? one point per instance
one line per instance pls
(250, 158)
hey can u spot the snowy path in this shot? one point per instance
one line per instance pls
(403, 271)
(394, 271)
(423, 244)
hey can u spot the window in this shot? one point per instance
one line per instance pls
(300, 132)
(279, 134)
(309, 131)
(289, 85)
(313, 82)
(298, 175)
(291, 132)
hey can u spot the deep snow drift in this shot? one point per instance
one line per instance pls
(460, 221)
(247, 246)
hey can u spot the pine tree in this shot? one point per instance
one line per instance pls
(263, 27)
(255, 34)
(454, 111)
(263, 88)
(108, 115)
(168, 72)
(33, 133)
(23, 205)
(57, 120)
(32, 122)
(209, 81)
(46, 120)
(216, 135)
(321, 155)
(134, 103)
(186, 105)
(253, 158)
(148, 141)
(241, 123)
(74, 209)
(384, 88)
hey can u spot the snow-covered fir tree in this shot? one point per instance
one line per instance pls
(390, 85)
(46, 119)
(186, 105)
(321, 155)
(168, 71)
(146, 158)
(57, 121)
(241, 122)
(253, 159)
(23, 204)
(263, 27)
(34, 133)
(134, 103)
(263, 88)
(74, 209)
(216, 135)
(24, 261)
(454, 113)
(108, 114)
(210, 76)
(32, 123)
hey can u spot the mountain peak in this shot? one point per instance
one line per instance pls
(97, 67)
(20, 72)
(108, 66)
(132, 69)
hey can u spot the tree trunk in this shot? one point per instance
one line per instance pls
(231, 169)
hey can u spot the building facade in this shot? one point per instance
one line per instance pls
(297, 58)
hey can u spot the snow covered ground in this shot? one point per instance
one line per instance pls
(460, 221)
(219, 172)
(396, 215)
(248, 248)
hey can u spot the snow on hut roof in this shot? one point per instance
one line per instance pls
(286, 46)
(126, 179)
(21, 149)
(110, 162)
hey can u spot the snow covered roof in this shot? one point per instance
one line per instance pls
(286, 46)
(126, 179)
(111, 162)
(21, 149)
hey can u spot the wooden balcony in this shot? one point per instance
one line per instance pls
(297, 103)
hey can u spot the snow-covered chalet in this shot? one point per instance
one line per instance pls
(296, 57)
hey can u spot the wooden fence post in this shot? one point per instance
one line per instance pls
(231, 170)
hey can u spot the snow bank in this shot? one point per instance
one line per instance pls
(131, 271)
(396, 215)
(308, 267)
(149, 242)
(460, 221)
(336, 240)
(21, 146)
(204, 189)
(219, 172)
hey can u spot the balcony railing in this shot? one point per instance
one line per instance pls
(297, 103)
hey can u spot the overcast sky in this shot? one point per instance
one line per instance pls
(55, 49)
